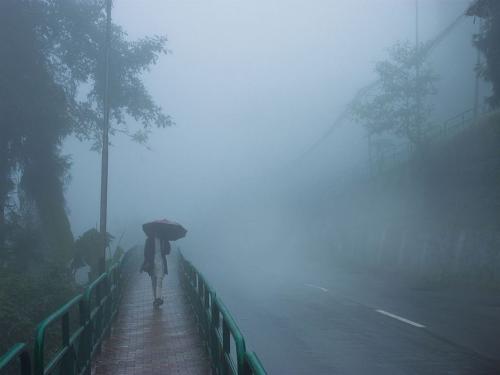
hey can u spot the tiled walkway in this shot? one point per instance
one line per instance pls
(160, 341)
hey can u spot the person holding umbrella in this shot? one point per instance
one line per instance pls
(155, 264)
(156, 249)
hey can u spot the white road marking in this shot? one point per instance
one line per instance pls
(400, 319)
(317, 287)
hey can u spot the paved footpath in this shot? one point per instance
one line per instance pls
(160, 341)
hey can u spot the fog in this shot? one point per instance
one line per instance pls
(334, 162)
(260, 171)
(251, 86)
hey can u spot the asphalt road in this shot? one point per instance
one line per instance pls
(324, 319)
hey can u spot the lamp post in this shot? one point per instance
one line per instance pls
(417, 74)
(105, 143)
(476, 82)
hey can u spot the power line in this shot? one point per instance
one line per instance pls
(425, 50)
(341, 117)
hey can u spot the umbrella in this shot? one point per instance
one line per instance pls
(165, 229)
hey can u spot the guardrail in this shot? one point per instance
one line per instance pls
(224, 341)
(81, 336)
(393, 155)
(19, 357)
(73, 348)
(451, 126)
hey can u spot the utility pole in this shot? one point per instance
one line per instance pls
(416, 24)
(476, 84)
(417, 76)
(105, 142)
(370, 155)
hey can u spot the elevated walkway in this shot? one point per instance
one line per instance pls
(145, 340)
(112, 328)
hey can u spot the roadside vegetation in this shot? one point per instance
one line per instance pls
(400, 104)
(431, 215)
(51, 88)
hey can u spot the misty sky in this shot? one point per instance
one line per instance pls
(251, 85)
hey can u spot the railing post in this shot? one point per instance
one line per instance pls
(84, 347)
(240, 355)
(212, 326)
(67, 366)
(226, 346)
(213, 332)
(108, 307)
(17, 353)
(206, 310)
(97, 329)
(25, 363)
(88, 326)
(201, 314)
(38, 353)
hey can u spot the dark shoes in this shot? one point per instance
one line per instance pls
(158, 302)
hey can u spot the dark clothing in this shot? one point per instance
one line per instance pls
(149, 255)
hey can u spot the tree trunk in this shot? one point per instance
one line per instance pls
(43, 182)
(5, 186)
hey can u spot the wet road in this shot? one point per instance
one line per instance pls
(325, 320)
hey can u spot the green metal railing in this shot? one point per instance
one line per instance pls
(224, 341)
(19, 357)
(86, 319)
(73, 348)
(80, 336)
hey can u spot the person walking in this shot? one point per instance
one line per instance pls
(155, 264)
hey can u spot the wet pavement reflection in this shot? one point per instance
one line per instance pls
(145, 340)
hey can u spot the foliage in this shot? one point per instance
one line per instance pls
(22, 247)
(27, 298)
(75, 50)
(117, 255)
(29, 139)
(88, 249)
(398, 104)
(487, 42)
(51, 86)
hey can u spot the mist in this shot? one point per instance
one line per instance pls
(251, 87)
(323, 234)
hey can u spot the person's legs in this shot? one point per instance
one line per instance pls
(159, 284)
(153, 284)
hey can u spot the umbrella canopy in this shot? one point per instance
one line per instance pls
(165, 229)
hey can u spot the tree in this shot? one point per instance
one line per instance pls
(88, 248)
(487, 43)
(75, 50)
(33, 121)
(397, 105)
(51, 86)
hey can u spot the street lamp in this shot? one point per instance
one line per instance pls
(105, 143)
